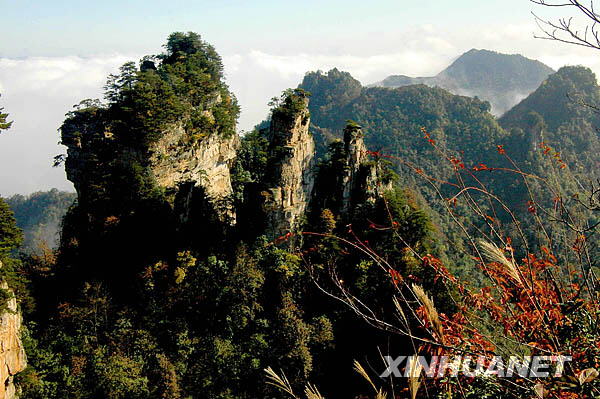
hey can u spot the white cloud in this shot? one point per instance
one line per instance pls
(55, 75)
(37, 92)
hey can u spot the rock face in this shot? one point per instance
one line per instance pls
(289, 191)
(356, 155)
(12, 353)
(205, 164)
(360, 180)
(176, 161)
(291, 167)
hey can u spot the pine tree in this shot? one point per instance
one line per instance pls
(4, 125)
(10, 235)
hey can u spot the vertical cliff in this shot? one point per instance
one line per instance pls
(349, 175)
(12, 353)
(204, 163)
(175, 161)
(363, 175)
(290, 169)
(356, 156)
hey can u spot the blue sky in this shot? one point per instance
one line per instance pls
(55, 53)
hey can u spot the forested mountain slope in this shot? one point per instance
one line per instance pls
(40, 216)
(563, 113)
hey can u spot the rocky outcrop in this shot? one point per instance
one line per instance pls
(205, 163)
(357, 174)
(356, 157)
(12, 353)
(291, 167)
(176, 161)
(363, 180)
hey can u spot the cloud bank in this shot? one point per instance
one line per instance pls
(37, 92)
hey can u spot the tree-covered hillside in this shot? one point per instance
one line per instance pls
(393, 118)
(40, 216)
(409, 126)
(554, 134)
(396, 121)
(564, 110)
(559, 121)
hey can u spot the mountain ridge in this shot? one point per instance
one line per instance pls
(501, 79)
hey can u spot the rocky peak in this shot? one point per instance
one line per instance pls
(360, 180)
(290, 168)
(176, 161)
(356, 154)
(166, 131)
(12, 352)
(354, 145)
(349, 176)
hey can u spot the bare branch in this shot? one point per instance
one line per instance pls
(564, 30)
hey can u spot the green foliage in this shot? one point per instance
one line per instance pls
(118, 376)
(392, 120)
(554, 135)
(291, 103)
(329, 181)
(561, 114)
(5, 296)
(251, 160)
(182, 45)
(117, 87)
(46, 376)
(11, 236)
(330, 90)
(327, 222)
(4, 124)
(201, 326)
(559, 99)
(40, 216)
(143, 102)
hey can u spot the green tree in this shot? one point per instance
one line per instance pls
(4, 125)
(39, 215)
(10, 235)
(118, 85)
(181, 45)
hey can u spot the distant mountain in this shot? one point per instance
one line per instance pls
(501, 79)
(40, 216)
(559, 99)
(563, 113)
